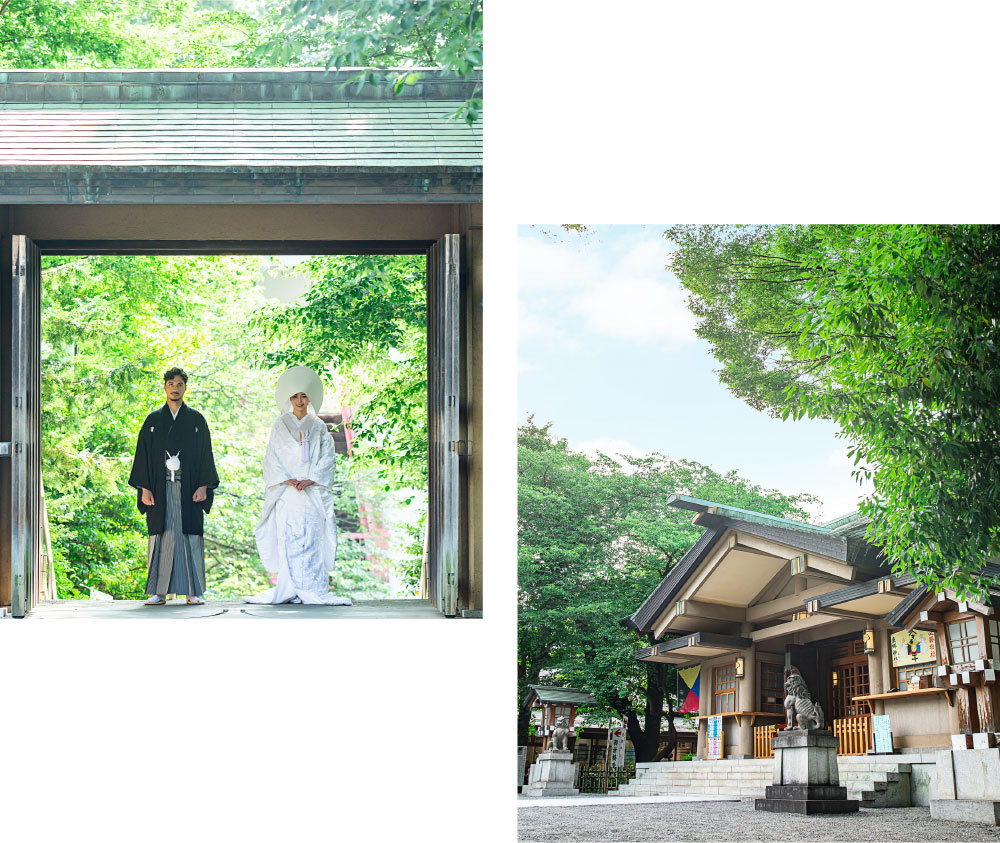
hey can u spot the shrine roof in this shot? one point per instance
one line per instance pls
(114, 124)
(549, 695)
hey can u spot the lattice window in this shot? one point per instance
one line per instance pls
(963, 640)
(849, 681)
(904, 672)
(994, 631)
(772, 687)
(725, 689)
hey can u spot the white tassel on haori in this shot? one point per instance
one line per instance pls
(173, 463)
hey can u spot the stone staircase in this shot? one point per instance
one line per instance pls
(875, 781)
(743, 778)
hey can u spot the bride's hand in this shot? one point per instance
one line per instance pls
(293, 483)
(303, 484)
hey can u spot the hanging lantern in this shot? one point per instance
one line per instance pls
(869, 640)
(739, 667)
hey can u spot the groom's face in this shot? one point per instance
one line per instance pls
(174, 388)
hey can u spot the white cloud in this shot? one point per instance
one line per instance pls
(545, 266)
(633, 298)
(637, 308)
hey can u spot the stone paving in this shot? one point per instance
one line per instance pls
(611, 820)
(230, 610)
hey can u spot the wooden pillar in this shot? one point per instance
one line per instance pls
(471, 554)
(968, 713)
(875, 674)
(985, 708)
(747, 700)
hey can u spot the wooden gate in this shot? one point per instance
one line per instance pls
(443, 370)
(20, 429)
(762, 746)
(854, 734)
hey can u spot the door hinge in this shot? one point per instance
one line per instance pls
(462, 447)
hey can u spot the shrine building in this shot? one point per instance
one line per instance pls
(756, 594)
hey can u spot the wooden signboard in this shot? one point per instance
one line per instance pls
(881, 734)
(914, 647)
(713, 745)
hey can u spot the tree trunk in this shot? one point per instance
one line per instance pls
(523, 722)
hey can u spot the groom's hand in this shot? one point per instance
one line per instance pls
(147, 498)
(200, 494)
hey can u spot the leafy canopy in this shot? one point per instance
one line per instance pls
(595, 537)
(378, 34)
(889, 330)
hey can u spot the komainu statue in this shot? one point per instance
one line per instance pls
(560, 735)
(801, 712)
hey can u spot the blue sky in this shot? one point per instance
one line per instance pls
(607, 352)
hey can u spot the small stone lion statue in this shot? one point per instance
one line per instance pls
(801, 712)
(560, 736)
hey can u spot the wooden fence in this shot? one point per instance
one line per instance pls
(762, 741)
(854, 733)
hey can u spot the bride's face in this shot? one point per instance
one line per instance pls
(300, 401)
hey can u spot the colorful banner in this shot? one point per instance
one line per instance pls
(689, 689)
(914, 647)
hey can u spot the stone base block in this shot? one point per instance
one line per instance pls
(542, 789)
(805, 791)
(961, 741)
(807, 806)
(966, 810)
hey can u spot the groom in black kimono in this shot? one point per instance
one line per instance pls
(174, 475)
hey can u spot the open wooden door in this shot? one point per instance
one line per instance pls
(20, 425)
(443, 369)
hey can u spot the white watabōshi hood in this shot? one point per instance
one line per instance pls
(295, 380)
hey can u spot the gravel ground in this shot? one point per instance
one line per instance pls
(695, 821)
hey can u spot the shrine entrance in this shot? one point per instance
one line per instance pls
(154, 162)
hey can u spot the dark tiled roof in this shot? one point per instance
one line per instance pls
(671, 583)
(560, 696)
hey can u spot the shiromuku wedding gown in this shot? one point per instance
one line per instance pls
(297, 532)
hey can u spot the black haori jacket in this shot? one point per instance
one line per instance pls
(188, 433)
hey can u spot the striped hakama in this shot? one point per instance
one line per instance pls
(176, 561)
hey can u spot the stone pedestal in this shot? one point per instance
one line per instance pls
(968, 783)
(552, 774)
(806, 776)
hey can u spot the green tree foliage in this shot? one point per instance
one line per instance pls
(124, 33)
(891, 331)
(111, 326)
(595, 537)
(379, 34)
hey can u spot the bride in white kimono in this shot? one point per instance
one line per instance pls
(297, 532)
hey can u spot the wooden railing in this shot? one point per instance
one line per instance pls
(854, 733)
(762, 741)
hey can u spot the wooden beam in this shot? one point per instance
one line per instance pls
(715, 611)
(788, 628)
(787, 605)
(847, 613)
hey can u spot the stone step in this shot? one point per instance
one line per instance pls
(870, 776)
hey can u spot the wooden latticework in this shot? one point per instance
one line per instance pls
(762, 735)
(854, 734)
